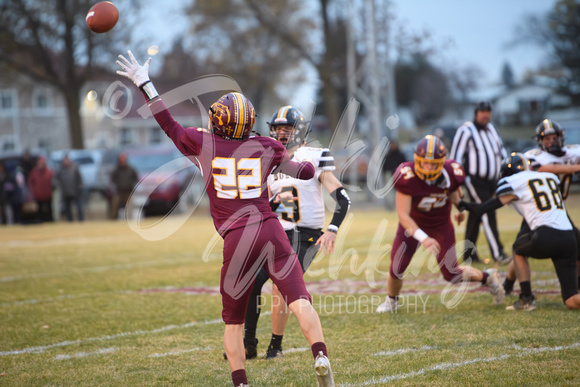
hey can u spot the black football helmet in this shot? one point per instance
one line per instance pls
(514, 163)
(430, 150)
(546, 128)
(232, 116)
(288, 115)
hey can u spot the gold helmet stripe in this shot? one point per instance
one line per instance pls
(430, 147)
(240, 112)
(547, 124)
(283, 110)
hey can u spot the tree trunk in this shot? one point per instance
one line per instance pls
(71, 96)
(330, 101)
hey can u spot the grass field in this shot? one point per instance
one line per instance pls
(96, 304)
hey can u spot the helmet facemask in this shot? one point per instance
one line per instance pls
(546, 128)
(428, 169)
(430, 155)
(294, 125)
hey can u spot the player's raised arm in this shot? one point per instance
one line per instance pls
(139, 75)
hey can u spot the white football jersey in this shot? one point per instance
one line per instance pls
(539, 199)
(539, 157)
(308, 209)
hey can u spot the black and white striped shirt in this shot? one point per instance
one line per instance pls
(480, 152)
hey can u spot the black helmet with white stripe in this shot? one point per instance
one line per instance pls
(292, 119)
(546, 128)
(514, 163)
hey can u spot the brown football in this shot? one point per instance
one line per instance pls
(102, 17)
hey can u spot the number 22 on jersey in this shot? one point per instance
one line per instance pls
(241, 178)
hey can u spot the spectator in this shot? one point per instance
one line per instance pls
(124, 179)
(393, 159)
(27, 164)
(70, 183)
(5, 179)
(40, 186)
(17, 195)
(478, 147)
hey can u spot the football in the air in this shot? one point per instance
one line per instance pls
(102, 17)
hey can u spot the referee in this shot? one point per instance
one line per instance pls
(478, 147)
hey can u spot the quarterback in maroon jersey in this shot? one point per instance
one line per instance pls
(235, 168)
(426, 187)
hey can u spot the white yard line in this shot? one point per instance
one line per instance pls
(292, 350)
(100, 269)
(404, 350)
(173, 353)
(78, 355)
(42, 348)
(449, 366)
(65, 297)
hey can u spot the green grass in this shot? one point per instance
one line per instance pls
(95, 304)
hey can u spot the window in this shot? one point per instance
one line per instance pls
(7, 143)
(7, 100)
(126, 137)
(156, 135)
(42, 101)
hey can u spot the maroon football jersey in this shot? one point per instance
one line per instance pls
(235, 172)
(430, 207)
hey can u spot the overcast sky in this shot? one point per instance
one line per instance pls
(479, 30)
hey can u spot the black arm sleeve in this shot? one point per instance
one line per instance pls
(342, 206)
(481, 208)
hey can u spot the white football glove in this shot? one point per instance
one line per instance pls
(138, 74)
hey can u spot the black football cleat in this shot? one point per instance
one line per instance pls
(273, 353)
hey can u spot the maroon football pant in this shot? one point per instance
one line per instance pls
(246, 251)
(404, 248)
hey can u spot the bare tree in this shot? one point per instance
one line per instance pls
(559, 32)
(227, 38)
(48, 41)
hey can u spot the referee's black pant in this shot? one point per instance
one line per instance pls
(479, 191)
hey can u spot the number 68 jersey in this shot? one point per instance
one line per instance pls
(539, 198)
(430, 205)
(307, 209)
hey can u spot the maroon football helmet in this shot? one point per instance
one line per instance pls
(232, 117)
(430, 155)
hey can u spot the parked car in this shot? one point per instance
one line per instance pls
(165, 176)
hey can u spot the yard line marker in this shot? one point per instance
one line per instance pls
(291, 350)
(449, 366)
(530, 351)
(180, 352)
(65, 297)
(404, 350)
(78, 355)
(41, 349)
(99, 269)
